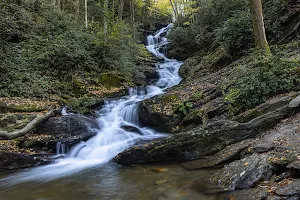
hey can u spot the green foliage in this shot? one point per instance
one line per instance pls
(274, 10)
(180, 39)
(197, 96)
(236, 32)
(44, 51)
(215, 22)
(185, 107)
(271, 76)
(225, 23)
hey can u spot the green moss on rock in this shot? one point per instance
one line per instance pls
(112, 79)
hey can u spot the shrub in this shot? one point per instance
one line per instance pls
(45, 51)
(236, 33)
(269, 77)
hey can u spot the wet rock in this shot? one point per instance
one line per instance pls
(160, 111)
(251, 194)
(10, 160)
(282, 158)
(244, 173)
(131, 129)
(273, 197)
(70, 130)
(151, 72)
(294, 165)
(186, 146)
(69, 126)
(292, 189)
(223, 156)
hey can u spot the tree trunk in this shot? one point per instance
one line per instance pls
(105, 13)
(86, 14)
(113, 11)
(259, 27)
(30, 126)
(121, 9)
(77, 10)
(175, 11)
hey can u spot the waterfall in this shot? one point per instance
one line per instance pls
(111, 138)
(60, 148)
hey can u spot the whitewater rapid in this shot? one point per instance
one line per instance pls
(111, 139)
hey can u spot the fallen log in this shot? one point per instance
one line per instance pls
(27, 128)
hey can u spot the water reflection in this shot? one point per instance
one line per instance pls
(114, 182)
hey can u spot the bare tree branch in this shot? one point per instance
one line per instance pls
(27, 128)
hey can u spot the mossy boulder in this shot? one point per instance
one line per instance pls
(160, 111)
(113, 79)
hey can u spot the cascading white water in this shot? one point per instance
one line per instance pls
(60, 148)
(167, 69)
(111, 138)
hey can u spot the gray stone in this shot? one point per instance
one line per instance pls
(264, 108)
(290, 189)
(10, 160)
(70, 130)
(74, 125)
(251, 194)
(244, 173)
(225, 155)
(295, 102)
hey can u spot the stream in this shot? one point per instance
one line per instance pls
(85, 172)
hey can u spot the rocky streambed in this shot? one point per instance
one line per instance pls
(256, 153)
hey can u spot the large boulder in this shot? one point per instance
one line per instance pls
(244, 173)
(10, 160)
(73, 125)
(160, 111)
(173, 112)
(187, 145)
(205, 140)
(69, 129)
